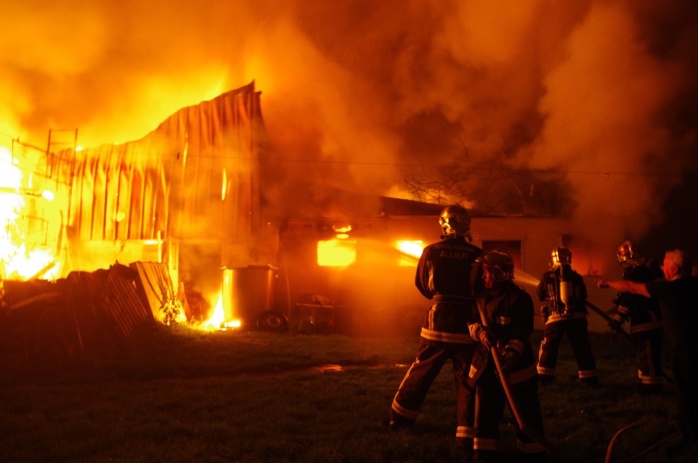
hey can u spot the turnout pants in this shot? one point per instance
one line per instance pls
(648, 346)
(576, 331)
(431, 357)
(491, 399)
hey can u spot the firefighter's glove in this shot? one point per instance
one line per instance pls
(510, 359)
(616, 325)
(479, 333)
(544, 313)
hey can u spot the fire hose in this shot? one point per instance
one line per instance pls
(643, 452)
(513, 404)
(611, 445)
(610, 321)
(620, 330)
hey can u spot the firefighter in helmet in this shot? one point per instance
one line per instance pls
(677, 293)
(507, 326)
(644, 316)
(564, 292)
(447, 275)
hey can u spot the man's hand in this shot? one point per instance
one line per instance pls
(615, 325)
(510, 358)
(602, 283)
(544, 314)
(480, 334)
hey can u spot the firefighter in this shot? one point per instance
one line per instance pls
(677, 293)
(564, 292)
(508, 328)
(447, 274)
(643, 315)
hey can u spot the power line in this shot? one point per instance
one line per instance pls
(604, 173)
(607, 174)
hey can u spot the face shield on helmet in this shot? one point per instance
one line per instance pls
(497, 266)
(561, 256)
(625, 252)
(455, 221)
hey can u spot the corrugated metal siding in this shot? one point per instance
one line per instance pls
(171, 181)
(122, 304)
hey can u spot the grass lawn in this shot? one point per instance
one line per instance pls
(181, 395)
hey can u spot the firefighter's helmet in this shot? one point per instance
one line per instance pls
(561, 256)
(500, 264)
(625, 252)
(455, 221)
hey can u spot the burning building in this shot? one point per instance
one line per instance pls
(593, 97)
(193, 197)
(365, 264)
(186, 196)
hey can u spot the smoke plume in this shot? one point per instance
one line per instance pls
(357, 92)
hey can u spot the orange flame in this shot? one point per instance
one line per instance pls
(412, 251)
(217, 319)
(336, 252)
(17, 259)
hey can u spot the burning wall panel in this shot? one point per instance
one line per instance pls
(216, 150)
(118, 193)
(194, 178)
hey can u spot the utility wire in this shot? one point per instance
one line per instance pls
(604, 173)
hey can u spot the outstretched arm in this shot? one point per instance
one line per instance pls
(625, 286)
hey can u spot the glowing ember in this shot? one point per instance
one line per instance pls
(232, 324)
(217, 320)
(217, 317)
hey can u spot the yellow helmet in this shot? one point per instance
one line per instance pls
(455, 221)
(561, 256)
(625, 252)
(500, 263)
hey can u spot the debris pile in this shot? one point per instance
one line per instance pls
(84, 311)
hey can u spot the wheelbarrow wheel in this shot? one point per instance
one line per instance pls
(272, 321)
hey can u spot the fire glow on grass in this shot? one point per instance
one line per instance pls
(17, 261)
